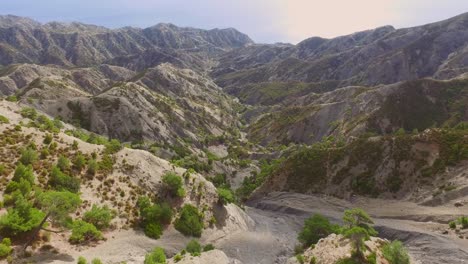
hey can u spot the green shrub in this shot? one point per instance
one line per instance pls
(63, 163)
(92, 167)
(154, 212)
(453, 224)
(106, 164)
(82, 260)
(4, 120)
(220, 180)
(249, 184)
(100, 217)
(23, 172)
(96, 261)
(153, 216)
(75, 145)
(300, 258)
(194, 248)
(83, 232)
(21, 218)
(226, 196)
(43, 122)
(29, 112)
(177, 258)
(463, 221)
(44, 153)
(5, 247)
(61, 181)
(372, 258)
(156, 256)
(173, 183)
(357, 217)
(53, 147)
(395, 253)
(24, 187)
(190, 222)
(113, 146)
(348, 261)
(79, 162)
(315, 228)
(153, 230)
(208, 247)
(313, 260)
(28, 156)
(12, 98)
(48, 139)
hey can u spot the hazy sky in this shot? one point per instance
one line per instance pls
(263, 20)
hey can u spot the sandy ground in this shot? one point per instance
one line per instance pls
(281, 215)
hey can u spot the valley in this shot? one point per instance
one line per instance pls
(180, 136)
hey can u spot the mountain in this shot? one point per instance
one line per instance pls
(74, 44)
(284, 130)
(380, 56)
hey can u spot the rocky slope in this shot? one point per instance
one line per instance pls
(74, 44)
(416, 167)
(379, 56)
(164, 104)
(355, 110)
(378, 113)
(333, 248)
(133, 173)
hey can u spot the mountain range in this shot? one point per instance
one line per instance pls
(380, 113)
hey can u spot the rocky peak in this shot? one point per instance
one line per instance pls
(16, 21)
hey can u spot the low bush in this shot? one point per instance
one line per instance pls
(63, 163)
(153, 230)
(173, 183)
(92, 167)
(453, 224)
(315, 228)
(61, 181)
(79, 162)
(82, 260)
(113, 146)
(28, 156)
(156, 256)
(153, 216)
(21, 218)
(190, 221)
(194, 248)
(300, 259)
(100, 217)
(96, 261)
(106, 164)
(23, 172)
(225, 195)
(47, 139)
(5, 248)
(12, 98)
(29, 112)
(208, 247)
(83, 232)
(4, 120)
(463, 221)
(395, 253)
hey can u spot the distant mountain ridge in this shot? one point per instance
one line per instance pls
(23, 40)
(379, 56)
(274, 81)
